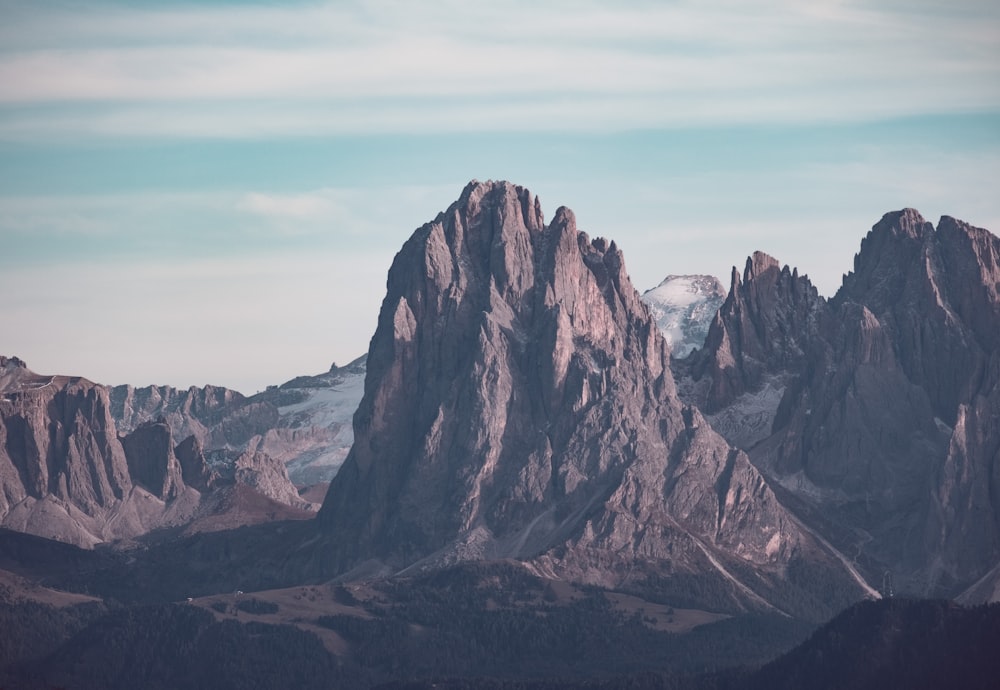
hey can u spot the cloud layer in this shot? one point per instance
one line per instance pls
(213, 191)
(392, 66)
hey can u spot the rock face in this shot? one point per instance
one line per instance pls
(63, 471)
(684, 308)
(305, 423)
(149, 451)
(194, 467)
(888, 422)
(66, 474)
(268, 477)
(519, 404)
(58, 440)
(764, 326)
(206, 413)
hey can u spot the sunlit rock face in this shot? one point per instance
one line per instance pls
(764, 326)
(519, 404)
(889, 416)
(65, 474)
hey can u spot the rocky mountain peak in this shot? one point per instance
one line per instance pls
(758, 264)
(684, 307)
(936, 291)
(885, 392)
(519, 404)
(484, 303)
(14, 373)
(971, 257)
(906, 223)
(12, 363)
(896, 257)
(763, 326)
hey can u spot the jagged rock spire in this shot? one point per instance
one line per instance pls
(519, 404)
(888, 389)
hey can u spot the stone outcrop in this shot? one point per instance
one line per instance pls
(765, 325)
(152, 464)
(66, 474)
(58, 439)
(519, 404)
(194, 467)
(63, 471)
(887, 424)
(268, 477)
(305, 423)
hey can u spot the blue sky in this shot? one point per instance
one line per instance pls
(212, 192)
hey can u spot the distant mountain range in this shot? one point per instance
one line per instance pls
(516, 379)
(304, 424)
(521, 417)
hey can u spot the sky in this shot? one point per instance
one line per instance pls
(202, 193)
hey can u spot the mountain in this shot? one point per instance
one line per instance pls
(520, 404)
(877, 409)
(893, 643)
(66, 473)
(304, 423)
(538, 491)
(683, 308)
(761, 329)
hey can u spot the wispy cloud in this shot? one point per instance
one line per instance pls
(294, 206)
(49, 229)
(359, 215)
(243, 262)
(396, 66)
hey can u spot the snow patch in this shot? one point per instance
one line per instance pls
(683, 308)
(773, 545)
(318, 430)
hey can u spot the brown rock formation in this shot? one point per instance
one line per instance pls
(62, 469)
(888, 421)
(149, 451)
(268, 477)
(58, 439)
(66, 474)
(519, 403)
(194, 467)
(765, 325)
(305, 422)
